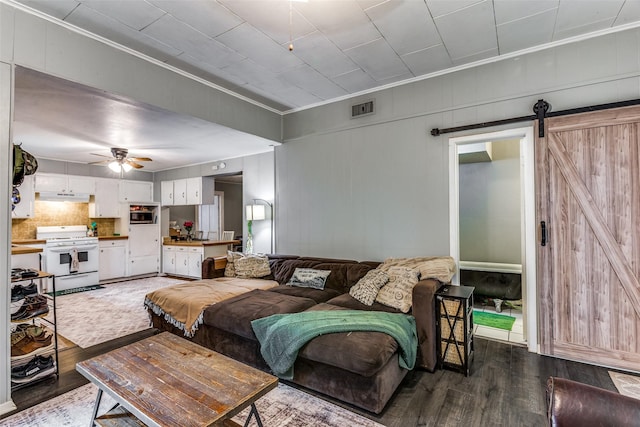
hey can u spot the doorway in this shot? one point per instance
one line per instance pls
(479, 228)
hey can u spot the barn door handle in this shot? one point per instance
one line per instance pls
(543, 230)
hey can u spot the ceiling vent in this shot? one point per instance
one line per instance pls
(364, 109)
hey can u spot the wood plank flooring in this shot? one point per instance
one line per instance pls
(506, 387)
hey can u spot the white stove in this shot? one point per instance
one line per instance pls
(70, 255)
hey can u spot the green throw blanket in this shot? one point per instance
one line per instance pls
(282, 335)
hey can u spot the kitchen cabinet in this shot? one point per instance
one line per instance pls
(105, 203)
(189, 191)
(169, 260)
(144, 249)
(136, 191)
(183, 260)
(24, 209)
(66, 184)
(113, 259)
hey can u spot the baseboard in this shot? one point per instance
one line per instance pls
(7, 407)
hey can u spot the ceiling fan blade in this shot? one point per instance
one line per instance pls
(133, 164)
(101, 162)
(140, 159)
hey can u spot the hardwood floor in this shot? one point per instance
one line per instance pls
(506, 387)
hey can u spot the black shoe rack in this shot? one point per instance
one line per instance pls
(46, 320)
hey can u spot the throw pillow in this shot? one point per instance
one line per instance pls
(398, 292)
(232, 257)
(309, 278)
(252, 266)
(368, 287)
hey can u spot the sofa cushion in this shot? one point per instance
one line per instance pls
(309, 278)
(318, 295)
(368, 287)
(252, 266)
(398, 291)
(363, 353)
(344, 273)
(349, 302)
(235, 314)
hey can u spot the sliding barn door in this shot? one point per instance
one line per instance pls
(588, 195)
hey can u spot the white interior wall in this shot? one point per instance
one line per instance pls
(489, 207)
(377, 186)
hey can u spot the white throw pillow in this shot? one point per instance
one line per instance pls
(367, 288)
(309, 278)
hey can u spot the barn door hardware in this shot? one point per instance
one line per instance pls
(542, 110)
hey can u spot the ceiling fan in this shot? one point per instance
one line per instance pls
(120, 161)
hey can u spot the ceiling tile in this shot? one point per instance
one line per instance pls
(135, 13)
(524, 33)
(183, 37)
(317, 51)
(576, 13)
(407, 26)
(630, 13)
(509, 10)
(468, 31)
(355, 81)
(111, 29)
(210, 18)
(342, 21)
(58, 9)
(254, 44)
(583, 29)
(476, 57)
(310, 80)
(428, 60)
(272, 20)
(443, 7)
(378, 60)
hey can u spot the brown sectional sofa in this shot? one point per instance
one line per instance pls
(360, 368)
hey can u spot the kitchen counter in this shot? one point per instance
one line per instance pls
(28, 242)
(20, 250)
(100, 238)
(202, 243)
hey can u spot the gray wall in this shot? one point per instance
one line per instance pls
(377, 186)
(233, 207)
(489, 207)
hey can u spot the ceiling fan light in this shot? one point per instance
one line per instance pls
(126, 167)
(114, 166)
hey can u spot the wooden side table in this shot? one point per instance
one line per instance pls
(454, 308)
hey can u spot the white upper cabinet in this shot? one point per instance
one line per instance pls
(105, 204)
(67, 184)
(189, 191)
(136, 191)
(166, 193)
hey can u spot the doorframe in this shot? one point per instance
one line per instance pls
(528, 217)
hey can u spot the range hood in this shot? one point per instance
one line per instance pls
(52, 196)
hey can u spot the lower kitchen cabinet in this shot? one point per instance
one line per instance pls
(183, 261)
(144, 249)
(113, 259)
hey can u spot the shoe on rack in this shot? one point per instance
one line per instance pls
(19, 292)
(33, 330)
(32, 306)
(28, 345)
(38, 367)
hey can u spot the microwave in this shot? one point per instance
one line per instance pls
(140, 217)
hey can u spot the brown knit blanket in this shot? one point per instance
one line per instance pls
(441, 268)
(183, 305)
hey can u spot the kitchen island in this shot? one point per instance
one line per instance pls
(24, 256)
(184, 258)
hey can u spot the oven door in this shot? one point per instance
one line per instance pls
(58, 259)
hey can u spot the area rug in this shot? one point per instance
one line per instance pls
(284, 406)
(628, 385)
(76, 290)
(93, 317)
(493, 320)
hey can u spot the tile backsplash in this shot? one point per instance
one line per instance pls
(58, 213)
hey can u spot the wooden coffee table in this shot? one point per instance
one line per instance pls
(166, 380)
